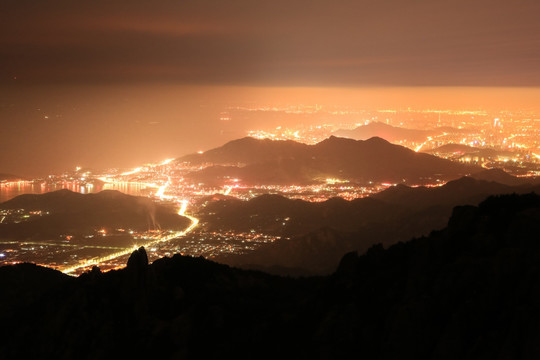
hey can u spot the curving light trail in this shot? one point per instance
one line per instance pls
(134, 171)
(177, 234)
(161, 191)
(62, 245)
(160, 194)
(429, 138)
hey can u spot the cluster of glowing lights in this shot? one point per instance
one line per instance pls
(159, 239)
(161, 191)
(134, 171)
(165, 162)
(333, 181)
(171, 190)
(109, 257)
(140, 168)
(15, 183)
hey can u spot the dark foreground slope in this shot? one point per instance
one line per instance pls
(470, 291)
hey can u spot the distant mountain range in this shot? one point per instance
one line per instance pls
(10, 177)
(78, 214)
(287, 162)
(502, 177)
(465, 149)
(467, 190)
(249, 150)
(283, 216)
(279, 215)
(386, 132)
(469, 291)
(321, 232)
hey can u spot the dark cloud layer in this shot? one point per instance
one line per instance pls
(263, 42)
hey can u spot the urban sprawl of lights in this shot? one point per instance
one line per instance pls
(508, 140)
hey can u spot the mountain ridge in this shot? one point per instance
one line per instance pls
(287, 162)
(10, 177)
(388, 132)
(329, 229)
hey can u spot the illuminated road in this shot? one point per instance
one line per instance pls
(59, 244)
(429, 139)
(97, 261)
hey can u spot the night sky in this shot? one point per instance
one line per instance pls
(263, 42)
(119, 82)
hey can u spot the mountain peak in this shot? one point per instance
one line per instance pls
(385, 131)
(332, 139)
(280, 162)
(337, 140)
(10, 177)
(377, 140)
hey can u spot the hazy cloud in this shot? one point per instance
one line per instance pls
(301, 42)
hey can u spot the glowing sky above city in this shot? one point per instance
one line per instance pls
(267, 42)
(117, 83)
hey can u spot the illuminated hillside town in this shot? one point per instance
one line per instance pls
(505, 140)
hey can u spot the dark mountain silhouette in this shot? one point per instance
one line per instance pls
(26, 283)
(502, 177)
(249, 150)
(321, 232)
(470, 291)
(469, 150)
(78, 214)
(386, 132)
(451, 148)
(279, 215)
(467, 190)
(287, 162)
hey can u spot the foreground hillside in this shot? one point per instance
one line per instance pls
(470, 291)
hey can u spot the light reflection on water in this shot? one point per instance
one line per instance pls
(129, 188)
(13, 189)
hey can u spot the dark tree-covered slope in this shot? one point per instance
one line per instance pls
(470, 291)
(318, 234)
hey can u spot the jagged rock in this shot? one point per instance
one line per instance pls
(138, 259)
